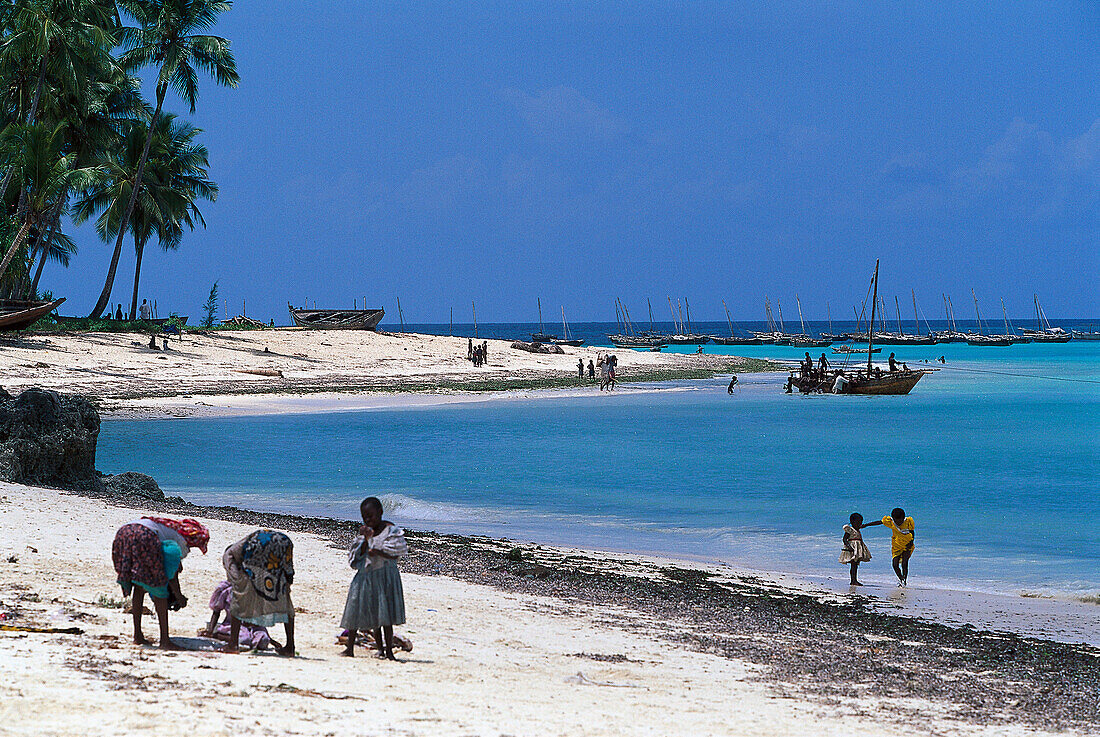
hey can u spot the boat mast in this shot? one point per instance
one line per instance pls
(1038, 321)
(1005, 313)
(802, 322)
(672, 310)
(951, 306)
(829, 312)
(650, 303)
(897, 308)
(541, 331)
(728, 320)
(782, 328)
(871, 325)
(687, 311)
(680, 312)
(976, 310)
(474, 308)
(564, 327)
(916, 320)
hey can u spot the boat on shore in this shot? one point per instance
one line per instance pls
(18, 314)
(336, 319)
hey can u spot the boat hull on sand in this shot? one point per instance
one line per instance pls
(337, 319)
(32, 312)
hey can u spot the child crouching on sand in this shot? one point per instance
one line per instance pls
(855, 550)
(376, 601)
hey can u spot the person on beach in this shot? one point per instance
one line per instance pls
(733, 383)
(470, 350)
(118, 313)
(855, 551)
(902, 541)
(591, 369)
(144, 312)
(823, 365)
(251, 637)
(612, 362)
(603, 371)
(580, 368)
(147, 556)
(260, 569)
(376, 600)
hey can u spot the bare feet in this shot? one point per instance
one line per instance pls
(347, 653)
(140, 640)
(856, 583)
(288, 651)
(227, 650)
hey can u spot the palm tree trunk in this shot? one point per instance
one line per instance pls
(105, 296)
(19, 238)
(139, 245)
(38, 271)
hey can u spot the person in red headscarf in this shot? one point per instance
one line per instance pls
(147, 555)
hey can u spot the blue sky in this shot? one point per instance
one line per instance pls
(445, 153)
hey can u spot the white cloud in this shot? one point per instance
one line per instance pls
(562, 113)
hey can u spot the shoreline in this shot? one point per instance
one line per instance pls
(115, 369)
(646, 637)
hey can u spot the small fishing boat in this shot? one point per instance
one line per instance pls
(21, 314)
(1086, 335)
(567, 340)
(850, 349)
(336, 319)
(874, 381)
(1043, 332)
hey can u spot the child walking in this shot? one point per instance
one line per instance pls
(855, 550)
(376, 601)
(902, 541)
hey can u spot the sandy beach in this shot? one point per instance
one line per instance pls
(546, 642)
(261, 368)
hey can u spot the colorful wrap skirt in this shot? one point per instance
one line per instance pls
(140, 558)
(375, 598)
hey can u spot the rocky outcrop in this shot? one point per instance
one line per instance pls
(133, 485)
(47, 439)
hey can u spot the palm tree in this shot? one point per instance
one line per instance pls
(36, 157)
(69, 39)
(175, 177)
(166, 36)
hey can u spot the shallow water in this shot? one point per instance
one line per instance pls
(996, 457)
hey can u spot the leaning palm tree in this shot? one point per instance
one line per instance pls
(166, 36)
(35, 154)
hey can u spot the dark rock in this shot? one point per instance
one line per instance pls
(133, 484)
(47, 439)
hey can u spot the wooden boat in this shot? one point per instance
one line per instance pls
(20, 314)
(850, 349)
(336, 319)
(873, 381)
(567, 340)
(1043, 332)
(1086, 335)
(804, 339)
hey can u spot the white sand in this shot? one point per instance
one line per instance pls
(115, 366)
(484, 663)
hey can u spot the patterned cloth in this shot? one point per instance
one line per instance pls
(193, 531)
(139, 559)
(260, 569)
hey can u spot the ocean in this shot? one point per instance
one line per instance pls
(996, 456)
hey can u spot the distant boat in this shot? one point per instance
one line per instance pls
(1086, 335)
(336, 319)
(574, 342)
(20, 314)
(850, 349)
(1043, 332)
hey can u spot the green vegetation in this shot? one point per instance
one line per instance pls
(210, 309)
(78, 139)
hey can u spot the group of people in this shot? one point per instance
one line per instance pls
(902, 542)
(145, 312)
(606, 364)
(148, 556)
(478, 354)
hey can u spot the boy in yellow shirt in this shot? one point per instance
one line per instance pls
(902, 541)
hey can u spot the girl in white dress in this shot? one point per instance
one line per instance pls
(855, 551)
(376, 600)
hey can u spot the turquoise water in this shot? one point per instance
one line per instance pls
(999, 470)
